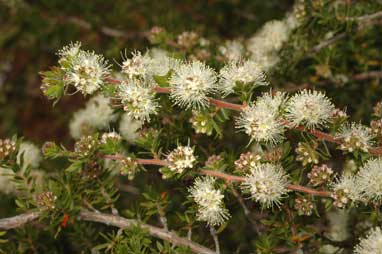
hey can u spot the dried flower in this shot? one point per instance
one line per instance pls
(180, 159)
(303, 206)
(247, 161)
(129, 167)
(310, 108)
(267, 184)
(7, 148)
(243, 72)
(138, 99)
(320, 175)
(46, 200)
(372, 244)
(191, 83)
(355, 137)
(210, 201)
(187, 39)
(86, 146)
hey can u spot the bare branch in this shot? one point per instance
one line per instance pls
(111, 220)
(18, 221)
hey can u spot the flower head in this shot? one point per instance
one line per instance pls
(369, 179)
(310, 108)
(261, 121)
(191, 83)
(247, 72)
(137, 99)
(355, 137)
(97, 115)
(129, 128)
(7, 148)
(137, 65)
(371, 244)
(86, 70)
(210, 201)
(232, 50)
(267, 184)
(30, 154)
(344, 191)
(180, 159)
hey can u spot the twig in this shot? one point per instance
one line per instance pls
(111, 220)
(216, 239)
(362, 20)
(247, 213)
(18, 221)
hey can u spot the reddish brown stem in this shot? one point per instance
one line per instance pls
(221, 175)
(224, 104)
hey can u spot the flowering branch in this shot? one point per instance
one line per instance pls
(227, 177)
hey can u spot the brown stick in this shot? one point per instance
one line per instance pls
(113, 220)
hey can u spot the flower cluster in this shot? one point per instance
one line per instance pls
(320, 175)
(180, 159)
(355, 137)
(232, 51)
(201, 122)
(97, 115)
(247, 73)
(7, 148)
(261, 120)
(369, 179)
(210, 203)
(266, 183)
(129, 167)
(137, 99)
(191, 83)
(30, 154)
(306, 153)
(371, 244)
(46, 200)
(247, 161)
(310, 108)
(344, 191)
(303, 206)
(110, 137)
(85, 146)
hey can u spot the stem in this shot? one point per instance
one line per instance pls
(112, 220)
(216, 239)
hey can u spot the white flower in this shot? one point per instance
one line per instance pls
(110, 136)
(69, 51)
(7, 186)
(369, 180)
(232, 50)
(372, 244)
(138, 99)
(310, 108)
(97, 115)
(261, 121)
(267, 184)
(210, 201)
(129, 128)
(161, 64)
(137, 65)
(270, 38)
(87, 71)
(240, 72)
(30, 154)
(355, 137)
(345, 190)
(191, 83)
(181, 158)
